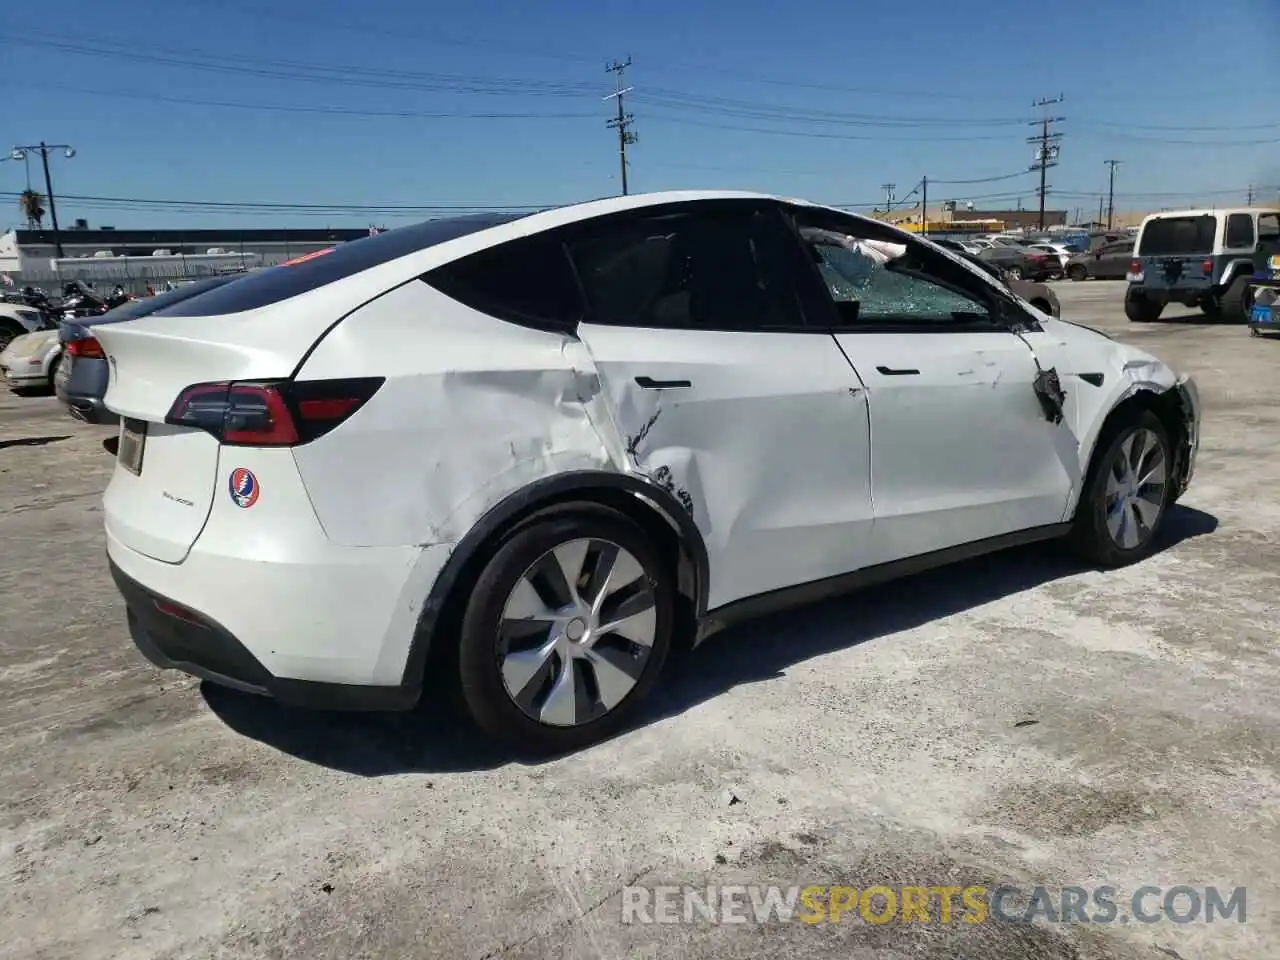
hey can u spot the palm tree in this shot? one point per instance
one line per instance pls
(32, 205)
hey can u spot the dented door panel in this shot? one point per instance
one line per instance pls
(763, 436)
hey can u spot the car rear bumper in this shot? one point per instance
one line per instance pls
(335, 629)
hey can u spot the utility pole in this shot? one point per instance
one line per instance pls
(622, 122)
(1046, 146)
(1111, 191)
(1101, 201)
(1249, 202)
(924, 204)
(20, 153)
(888, 195)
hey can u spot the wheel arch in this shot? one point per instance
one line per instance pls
(1173, 410)
(650, 506)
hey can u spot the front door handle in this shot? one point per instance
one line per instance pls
(651, 384)
(904, 372)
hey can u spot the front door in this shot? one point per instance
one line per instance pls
(724, 395)
(961, 449)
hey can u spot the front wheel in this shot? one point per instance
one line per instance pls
(1127, 493)
(1077, 272)
(567, 630)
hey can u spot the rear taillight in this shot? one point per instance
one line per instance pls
(1135, 266)
(1207, 267)
(278, 413)
(88, 347)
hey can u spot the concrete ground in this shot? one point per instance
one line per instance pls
(1011, 720)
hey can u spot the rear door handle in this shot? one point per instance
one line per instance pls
(651, 384)
(905, 372)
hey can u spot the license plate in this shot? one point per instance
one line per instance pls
(133, 439)
(1261, 315)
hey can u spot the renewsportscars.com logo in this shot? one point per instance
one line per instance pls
(972, 904)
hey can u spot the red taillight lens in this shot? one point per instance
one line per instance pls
(281, 413)
(88, 347)
(1207, 267)
(1135, 266)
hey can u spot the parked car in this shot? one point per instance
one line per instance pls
(1019, 263)
(1053, 249)
(1108, 262)
(81, 378)
(19, 318)
(1038, 295)
(545, 449)
(1204, 258)
(30, 361)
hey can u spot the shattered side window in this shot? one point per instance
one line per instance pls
(883, 284)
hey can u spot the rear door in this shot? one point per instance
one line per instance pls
(1172, 251)
(754, 420)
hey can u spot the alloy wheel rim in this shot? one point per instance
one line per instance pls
(577, 631)
(1135, 489)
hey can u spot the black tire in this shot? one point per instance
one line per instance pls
(1077, 272)
(53, 370)
(480, 643)
(1237, 301)
(1141, 309)
(1090, 537)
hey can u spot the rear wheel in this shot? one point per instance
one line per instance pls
(1077, 272)
(567, 630)
(1237, 302)
(1127, 493)
(1140, 308)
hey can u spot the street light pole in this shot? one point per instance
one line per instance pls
(20, 153)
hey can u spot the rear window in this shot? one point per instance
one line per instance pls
(1187, 236)
(145, 306)
(323, 267)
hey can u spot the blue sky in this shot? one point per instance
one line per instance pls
(827, 100)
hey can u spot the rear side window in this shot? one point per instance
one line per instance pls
(1185, 236)
(315, 270)
(695, 270)
(1268, 227)
(1239, 231)
(527, 281)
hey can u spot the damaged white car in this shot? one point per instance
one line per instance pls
(603, 430)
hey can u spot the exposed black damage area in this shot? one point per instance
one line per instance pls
(633, 442)
(661, 476)
(1050, 394)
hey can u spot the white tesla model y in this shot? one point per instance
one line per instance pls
(548, 447)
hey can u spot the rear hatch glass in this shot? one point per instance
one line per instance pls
(1178, 236)
(322, 267)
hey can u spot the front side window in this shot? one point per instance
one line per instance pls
(877, 282)
(700, 269)
(1268, 227)
(1239, 231)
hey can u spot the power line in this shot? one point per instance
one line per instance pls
(622, 122)
(300, 108)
